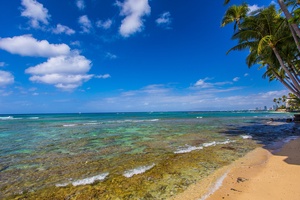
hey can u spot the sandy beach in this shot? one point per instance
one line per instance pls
(262, 174)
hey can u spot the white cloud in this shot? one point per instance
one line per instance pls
(36, 13)
(63, 29)
(80, 4)
(164, 19)
(111, 56)
(202, 83)
(104, 76)
(134, 11)
(104, 24)
(65, 72)
(26, 45)
(85, 24)
(246, 74)
(2, 64)
(6, 78)
(76, 43)
(61, 81)
(236, 79)
(5, 93)
(73, 64)
(253, 8)
(166, 98)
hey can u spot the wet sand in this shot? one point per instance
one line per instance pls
(262, 174)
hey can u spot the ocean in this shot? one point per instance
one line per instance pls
(153, 155)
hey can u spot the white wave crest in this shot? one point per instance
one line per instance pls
(33, 118)
(91, 123)
(226, 142)
(69, 125)
(61, 184)
(209, 144)
(138, 170)
(90, 180)
(188, 149)
(6, 118)
(246, 136)
(134, 121)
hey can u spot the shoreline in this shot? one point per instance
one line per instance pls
(271, 172)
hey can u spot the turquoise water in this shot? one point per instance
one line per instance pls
(45, 153)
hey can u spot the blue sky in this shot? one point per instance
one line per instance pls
(127, 55)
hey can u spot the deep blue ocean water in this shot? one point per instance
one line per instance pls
(61, 150)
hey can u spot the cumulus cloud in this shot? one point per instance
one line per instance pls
(73, 64)
(36, 13)
(104, 76)
(6, 78)
(134, 11)
(26, 45)
(85, 24)
(65, 72)
(246, 74)
(80, 4)
(104, 24)
(164, 20)
(63, 29)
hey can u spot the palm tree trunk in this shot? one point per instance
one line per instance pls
(295, 82)
(296, 39)
(288, 16)
(295, 71)
(285, 83)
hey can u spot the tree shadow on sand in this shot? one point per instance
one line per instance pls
(273, 135)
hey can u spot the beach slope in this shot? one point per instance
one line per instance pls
(260, 175)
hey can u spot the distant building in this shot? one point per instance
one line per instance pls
(265, 108)
(288, 102)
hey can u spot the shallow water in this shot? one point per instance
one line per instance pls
(121, 155)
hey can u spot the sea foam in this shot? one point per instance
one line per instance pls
(189, 148)
(246, 136)
(70, 125)
(215, 187)
(209, 144)
(138, 170)
(90, 180)
(290, 138)
(33, 118)
(7, 118)
(85, 181)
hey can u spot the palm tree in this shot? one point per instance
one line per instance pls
(294, 27)
(288, 15)
(235, 14)
(275, 100)
(270, 42)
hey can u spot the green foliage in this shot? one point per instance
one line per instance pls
(294, 102)
(268, 38)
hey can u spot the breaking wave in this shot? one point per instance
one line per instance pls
(85, 181)
(189, 148)
(138, 170)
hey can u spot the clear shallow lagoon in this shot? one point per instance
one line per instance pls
(122, 155)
